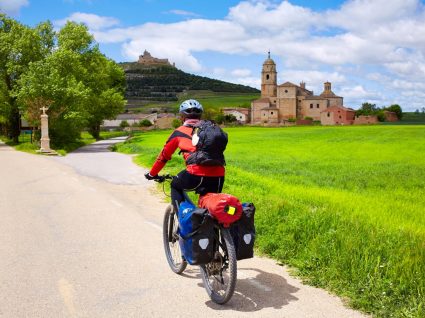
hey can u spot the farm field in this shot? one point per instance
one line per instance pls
(345, 206)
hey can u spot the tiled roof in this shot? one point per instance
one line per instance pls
(288, 84)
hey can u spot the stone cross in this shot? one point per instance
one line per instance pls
(45, 141)
(44, 109)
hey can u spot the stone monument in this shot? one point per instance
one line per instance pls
(45, 140)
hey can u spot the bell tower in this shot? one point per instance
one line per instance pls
(268, 78)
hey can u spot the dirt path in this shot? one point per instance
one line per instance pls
(76, 241)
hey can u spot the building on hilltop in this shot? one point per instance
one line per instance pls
(278, 103)
(148, 59)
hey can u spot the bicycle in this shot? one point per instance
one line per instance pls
(219, 276)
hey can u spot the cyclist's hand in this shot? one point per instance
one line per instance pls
(150, 177)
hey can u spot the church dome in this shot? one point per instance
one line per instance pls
(269, 61)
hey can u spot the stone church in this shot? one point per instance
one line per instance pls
(278, 103)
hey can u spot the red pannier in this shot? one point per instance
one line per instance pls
(225, 208)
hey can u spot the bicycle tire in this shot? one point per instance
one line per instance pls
(219, 289)
(171, 242)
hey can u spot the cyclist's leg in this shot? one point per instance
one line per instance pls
(184, 181)
(210, 185)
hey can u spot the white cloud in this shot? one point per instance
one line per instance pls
(12, 7)
(93, 21)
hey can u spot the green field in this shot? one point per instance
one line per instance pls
(344, 205)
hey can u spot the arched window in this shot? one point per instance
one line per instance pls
(267, 76)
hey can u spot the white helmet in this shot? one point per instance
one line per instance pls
(191, 109)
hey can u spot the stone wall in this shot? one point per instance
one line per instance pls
(364, 120)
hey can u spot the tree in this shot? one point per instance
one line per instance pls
(367, 109)
(124, 124)
(84, 87)
(20, 46)
(396, 109)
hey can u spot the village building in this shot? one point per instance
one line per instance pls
(278, 103)
(241, 114)
(147, 59)
(337, 115)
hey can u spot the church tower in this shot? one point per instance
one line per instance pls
(268, 78)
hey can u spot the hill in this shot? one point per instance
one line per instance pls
(153, 87)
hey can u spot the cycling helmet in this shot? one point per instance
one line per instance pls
(191, 109)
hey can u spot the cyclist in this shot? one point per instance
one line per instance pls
(198, 178)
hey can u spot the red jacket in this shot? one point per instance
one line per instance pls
(182, 138)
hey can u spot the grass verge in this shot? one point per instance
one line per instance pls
(344, 205)
(25, 144)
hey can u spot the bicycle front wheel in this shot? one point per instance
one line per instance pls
(171, 241)
(219, 276)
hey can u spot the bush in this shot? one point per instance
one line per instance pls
(176, 123)
(219, 119)
(124, 124)
(381, 116)
(230, 118)
(145, 123)
(292, 120)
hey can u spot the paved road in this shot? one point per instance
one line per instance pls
(77, 244)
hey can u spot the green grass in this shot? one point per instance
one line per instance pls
(25, 144)
(344, 205)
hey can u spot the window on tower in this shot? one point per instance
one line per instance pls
(267, 76)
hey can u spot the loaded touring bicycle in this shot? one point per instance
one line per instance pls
(213, 236)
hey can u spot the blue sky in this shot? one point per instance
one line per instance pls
(371, 50)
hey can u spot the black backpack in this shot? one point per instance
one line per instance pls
(210, 146)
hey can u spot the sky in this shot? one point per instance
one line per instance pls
(370, 50)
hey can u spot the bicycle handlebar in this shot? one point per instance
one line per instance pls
(161, 179)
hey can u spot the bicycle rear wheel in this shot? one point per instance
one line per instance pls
(219, 276)
(171, 241)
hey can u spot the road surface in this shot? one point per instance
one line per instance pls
(79, 237)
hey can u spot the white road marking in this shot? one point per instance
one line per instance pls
(75, 179)
(67, 292)
(116, 203)
(154, 225)
(92, 189)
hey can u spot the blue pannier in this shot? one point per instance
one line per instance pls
(196, 230)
